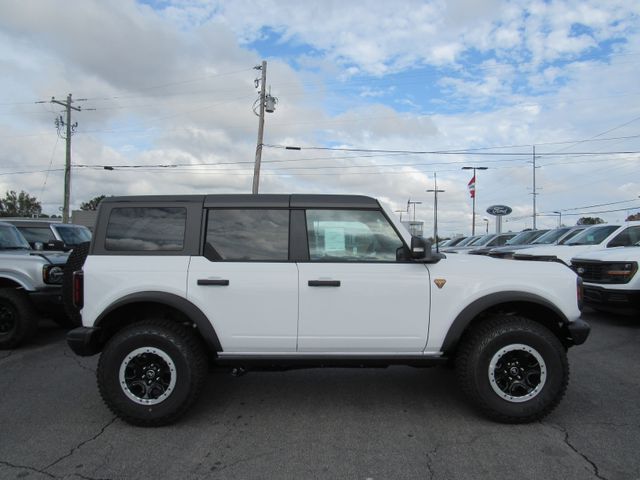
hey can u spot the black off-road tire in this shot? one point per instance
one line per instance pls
(501, 339)
(155, 341)
(18, 318)
(74, 262)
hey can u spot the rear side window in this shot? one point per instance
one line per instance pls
(247, 235)
(146, 229)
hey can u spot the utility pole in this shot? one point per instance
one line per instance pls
(435, 206)
(67, 166)
(473, 196)
(256, 168)
(535, 192)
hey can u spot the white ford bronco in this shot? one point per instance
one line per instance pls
(172, 283)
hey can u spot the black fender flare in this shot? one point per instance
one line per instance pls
(184, 306)
(465, 317)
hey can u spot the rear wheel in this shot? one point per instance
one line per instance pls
(513, 368)
(18, 319)
(151, 372)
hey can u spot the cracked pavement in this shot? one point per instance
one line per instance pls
(399, 423)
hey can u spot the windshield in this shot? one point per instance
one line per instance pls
(550, 237)
(10, 239)
(570, 235)
(483, 240)
(593, 235)
(73, 235)
(467, 241)
(525, 238)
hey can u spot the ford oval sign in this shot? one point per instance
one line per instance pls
(499, 210)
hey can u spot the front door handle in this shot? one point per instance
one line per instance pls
(324, 283)
(208, 281)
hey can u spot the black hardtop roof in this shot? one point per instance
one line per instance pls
(250, 200)
(33, 222)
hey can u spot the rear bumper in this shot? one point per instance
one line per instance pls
(615, 301)
(84, 341)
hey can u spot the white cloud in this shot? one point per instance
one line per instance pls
(529, 84)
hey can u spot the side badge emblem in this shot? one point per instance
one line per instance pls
(440, 282)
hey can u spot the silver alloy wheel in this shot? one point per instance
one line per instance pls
(147, 375)
(517, 372)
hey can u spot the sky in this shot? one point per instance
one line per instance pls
(381, 98)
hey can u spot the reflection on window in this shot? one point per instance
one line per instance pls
(351, 235)
(73, 234)
(37, 234)
(146, 229)
(247, 235)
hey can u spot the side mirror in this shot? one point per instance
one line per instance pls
(421, 251)
(419, 248)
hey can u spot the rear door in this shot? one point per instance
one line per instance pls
(244, 282)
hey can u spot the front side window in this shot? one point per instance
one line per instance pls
(247, 235)
(592, 235)
(626, 238)
(37, 234)
(351, 235)
(146, 229)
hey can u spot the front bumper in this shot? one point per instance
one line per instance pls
(85, 341)
(47, 300)
(615, 301)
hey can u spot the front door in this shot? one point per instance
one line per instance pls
(357, 293)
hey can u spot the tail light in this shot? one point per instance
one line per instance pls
(78, 288)
(580, 292)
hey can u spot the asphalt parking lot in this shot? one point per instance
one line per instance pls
(393, 423)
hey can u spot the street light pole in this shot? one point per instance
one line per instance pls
(435, 207)
(475, 189)
(414, 207)
(559, 218)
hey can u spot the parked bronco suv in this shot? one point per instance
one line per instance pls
(263, 281)
(30, 286)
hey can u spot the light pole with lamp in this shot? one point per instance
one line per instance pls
(486, 220)
(559, 218)
(435, 207)
(473, 189)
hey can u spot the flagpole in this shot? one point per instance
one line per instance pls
(473, 197)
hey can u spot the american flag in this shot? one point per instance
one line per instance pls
(472, 187)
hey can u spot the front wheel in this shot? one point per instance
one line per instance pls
(18, 319)
(151, 372)
(513, 368)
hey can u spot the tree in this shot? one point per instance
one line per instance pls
(92, 204)
(19, 205)
(634, 217)
(590, 221)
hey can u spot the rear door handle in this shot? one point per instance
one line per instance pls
(324, 283)
(207, 281)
